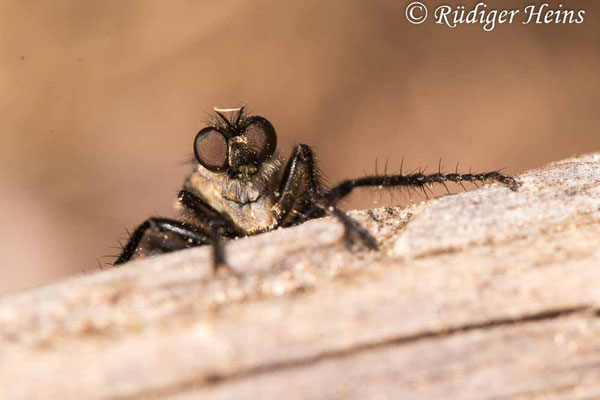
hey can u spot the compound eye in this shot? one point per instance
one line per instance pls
(261, 137)
(210, 148)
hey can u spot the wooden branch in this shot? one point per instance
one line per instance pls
(489, 294)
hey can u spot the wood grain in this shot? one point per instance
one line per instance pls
(490, 294)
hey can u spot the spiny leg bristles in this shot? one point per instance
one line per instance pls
(415, 180)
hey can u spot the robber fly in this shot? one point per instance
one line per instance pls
(241, 187)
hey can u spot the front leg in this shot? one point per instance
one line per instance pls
(189, 234)
(300, 186)
(301, 191)
(216, 224)
(210, 229)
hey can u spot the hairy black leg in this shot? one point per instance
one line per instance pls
(206, 214)
(185, 231)
(300, 180)
(418, 180)
(217, 225)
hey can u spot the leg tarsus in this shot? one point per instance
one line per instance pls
(220, 268)
(353, 230)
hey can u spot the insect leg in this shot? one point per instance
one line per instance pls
(418, 180)
(300, 186)
(217, 224)
(301, 190)
(183, 230)
(351, 227)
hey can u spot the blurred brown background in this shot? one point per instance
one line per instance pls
(101, 100)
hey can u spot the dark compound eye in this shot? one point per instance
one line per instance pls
(210, 148)
(261, 137)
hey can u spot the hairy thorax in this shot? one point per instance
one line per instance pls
(249, 201)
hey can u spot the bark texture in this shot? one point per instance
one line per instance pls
(490, 294)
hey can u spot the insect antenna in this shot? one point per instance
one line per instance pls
(240, 111)
(240, 114)
(225, 119)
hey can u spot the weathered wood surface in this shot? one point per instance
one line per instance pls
(489, 294)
